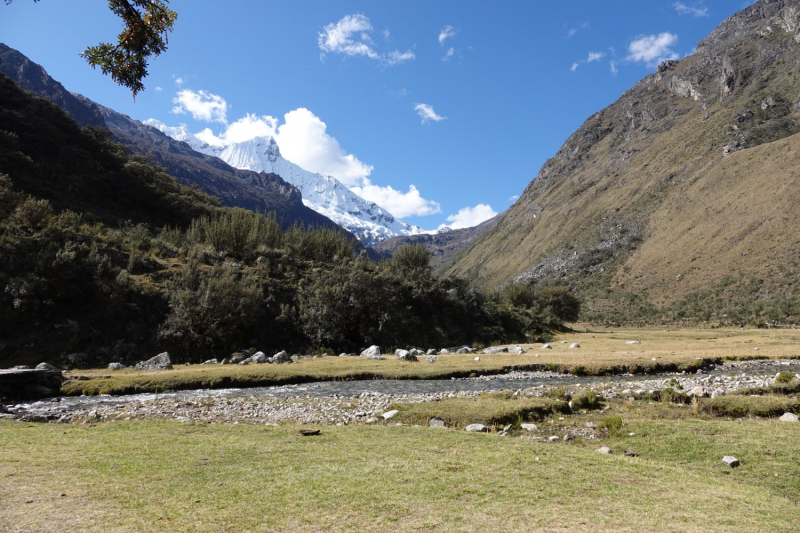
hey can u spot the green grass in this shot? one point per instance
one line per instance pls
(164, 476)
(490, 409)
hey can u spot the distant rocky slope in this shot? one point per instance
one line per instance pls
(686, 186)
(238, 188)
(442, 246)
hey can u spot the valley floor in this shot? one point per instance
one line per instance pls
(239, 464)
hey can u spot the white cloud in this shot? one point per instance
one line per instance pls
(386, 34)
(201, 105)
(450, 52)
(426, 113)
(159, 89)
(446, 33)
(468, 217)
(302, 139)
(595, 56)
(338, 37)
(178, 81)
(351, 37)
(398, 203)
(613, 65)
(514, 198)
(573, 31)
(683, 9)
(653, 49)
(397, 57)
(575, 66)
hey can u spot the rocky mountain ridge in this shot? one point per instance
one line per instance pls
(256, 191)
(685, 185)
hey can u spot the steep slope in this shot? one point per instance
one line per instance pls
(324, 194)
(46, 154)
(687, 183)
(32, 77)
(236, 188)
(442, 246)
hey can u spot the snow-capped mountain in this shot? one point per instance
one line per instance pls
(324, 194)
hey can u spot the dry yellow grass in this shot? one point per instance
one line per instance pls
(602, 351)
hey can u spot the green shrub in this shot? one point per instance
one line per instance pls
(560, 302)
(587, 400)
(410, 258)
(611, 426)
(519, 295)
(785, 377)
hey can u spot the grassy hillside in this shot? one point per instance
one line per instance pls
(684, 189)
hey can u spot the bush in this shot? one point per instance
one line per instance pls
(785, 377)
(519, 295)
(560, 302)
(587, 400)
(33, 214)
(411, 258)
(611, 426)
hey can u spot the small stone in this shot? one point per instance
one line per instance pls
(377, 358)
(630, 453)
(605, 449)
(431, 359)
(115, 366)
(477, 358)
(574, 345)
(529, 427)
(590, 425)
(436, 422)
(553, 438)
(389, 414)
(697, 391)
(731, 461)
(45, 366)
(569, 437)
(371, 420)
(788, 417)
(632, 342)
(546, 347)
(477, 428)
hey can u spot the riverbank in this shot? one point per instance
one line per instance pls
(601, 352)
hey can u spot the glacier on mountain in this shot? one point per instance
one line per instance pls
(324, 194)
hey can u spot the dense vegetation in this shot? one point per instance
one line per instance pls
(105, 257)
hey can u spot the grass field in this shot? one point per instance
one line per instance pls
(167, 476)
(602, 351)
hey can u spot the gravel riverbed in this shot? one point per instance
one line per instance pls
(309, 404)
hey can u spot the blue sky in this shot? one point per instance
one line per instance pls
(440, 111)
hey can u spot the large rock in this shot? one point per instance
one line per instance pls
(45, 366)
(280, 357)
(405, 355)
(372, 350)
(259, 358)
(495, 349)
(29, 383)
(115, 366)
(159, 362)
(237, 357)
(788, 417)
(431, 359)
(465, 349)
(517, 350)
